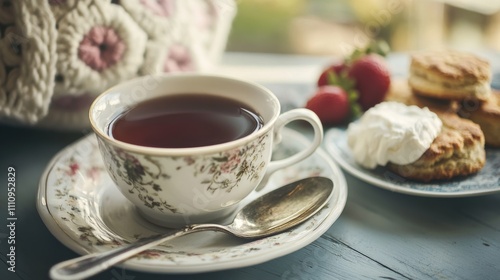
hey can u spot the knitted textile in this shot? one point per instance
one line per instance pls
(57, 55)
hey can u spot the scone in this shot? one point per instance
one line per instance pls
(457, 151)
(400, 91)
(487, 115)
(450, 75)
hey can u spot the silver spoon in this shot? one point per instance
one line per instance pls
(269, 214)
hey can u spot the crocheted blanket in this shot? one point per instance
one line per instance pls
(59, 54)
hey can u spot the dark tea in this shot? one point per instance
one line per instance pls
(185, 121)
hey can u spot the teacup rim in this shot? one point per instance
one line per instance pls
(191, 150)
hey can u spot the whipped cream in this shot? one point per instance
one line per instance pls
(392, 132)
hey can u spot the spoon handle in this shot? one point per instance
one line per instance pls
(88, 265)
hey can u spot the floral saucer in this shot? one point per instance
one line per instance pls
(84, 210)
(486, 181)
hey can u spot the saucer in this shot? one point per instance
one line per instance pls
(486, 181)
(82, 208)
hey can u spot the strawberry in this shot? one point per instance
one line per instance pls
(330, 103)
(372, 79)
(336, 67)
(358, 82)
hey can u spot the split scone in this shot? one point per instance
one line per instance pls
(458, 150)
(450, 75)
(400, 91)
(486, 115)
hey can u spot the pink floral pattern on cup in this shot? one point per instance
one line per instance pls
(162, 8)
(101, 48)
(213, 171)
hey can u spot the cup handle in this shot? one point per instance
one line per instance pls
(285, 118)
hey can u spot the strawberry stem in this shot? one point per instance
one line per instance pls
(348, 84)
(356, 111)
(342, 80)
(379, 47)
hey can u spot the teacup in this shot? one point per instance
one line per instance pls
(174, 187)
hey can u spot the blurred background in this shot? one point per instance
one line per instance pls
(336, 27)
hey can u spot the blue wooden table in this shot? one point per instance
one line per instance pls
(379, 235)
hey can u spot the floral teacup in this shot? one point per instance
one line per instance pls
(177, 186)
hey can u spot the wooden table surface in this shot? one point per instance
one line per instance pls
(379, 235)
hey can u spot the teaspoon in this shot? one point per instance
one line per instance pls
(269, 214)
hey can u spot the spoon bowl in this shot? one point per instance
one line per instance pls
(282, 209)
(272, 213)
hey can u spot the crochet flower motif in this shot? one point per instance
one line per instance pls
(99, 45)
(101, 48)
(178, 59)
(163, 8)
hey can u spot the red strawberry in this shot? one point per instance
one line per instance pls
(330, 103)
(372, 79)
(336, 68)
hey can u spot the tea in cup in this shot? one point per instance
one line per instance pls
(187, 148)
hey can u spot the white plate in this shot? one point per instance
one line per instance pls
(485, 181)
(82, 208)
